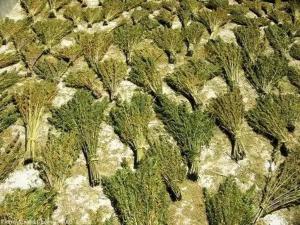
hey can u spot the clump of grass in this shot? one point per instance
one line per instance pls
(213, 20)
(189, 78)
(191, 130)
(50, 68)
(170, 40)
(272, 117)
(229, 112)
(23, 38)
(83, 115)
(144, 73)
(8, 59)
(56, 5)
(246, 21)
(33, 7)
(85, 78)
(138, 15)
(170, 162)
(51, 32)
(187, 10)
(112, 72)
(130, 121)
(74, 14)
(230, 205)
(111, 9)
(216, 4)
(8, 79)
(256, 7)
(33, 100)
(139, 197)
(9, 28)
(279, 17)
(192, 36)
(165, 18)
(10, 157)
(92, 15)
(8, 111)
(294, 76)
(126, 37)
(30, 54)
(35, 204)
(69, 54)
(130, 4)
(267, 72)
(227, 56)
(57, 159)
(295, 51)
(94, 46)
(278, 38)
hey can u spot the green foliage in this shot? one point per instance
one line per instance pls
(50, 68)
(31, 53)
(69, 54)
(33, 7)
(138, 15)
(165, 17)
(229, 111)
(139, 197)
(10, 157)
(189, 78)
(23, 38)
(215, 4)
(111, 9)
(8, 111)
(24, 205)
(227, 56)
(191, 130)
(278, 38)
(246, 21)
(9, 28)
(170, 40)
(255, 7)
(126, 37)
(8, 59)
(56, 5)
(213, 20)
(250, 40)
(275, 117)
(74, 13)
(144, 73)
(130, 4)
(295, 51)
(230, 205)
(294, 76)
(33, 100)
(267, 72)
(94, 46)
(58, 157)
(83, 115)
(85, 78)
(112, 72)
(192, 36)
(282, 188)
(187, 10)
(8, 79)
(51, 32)
(92, 15)
(130, 121)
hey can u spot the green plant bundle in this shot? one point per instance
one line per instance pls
(30, 54)
(35, 204)
(8, 79)
(8, 111)
(126, 37)
(294, 76)
(256, 7)
(274, 117)
(252, 45)
(58, 157)
(189, 78)
(23, 38)
(56, 5)
(144, 73)
(111, 9)
(227, 56)
(130, 121)
(50, 68)
(213, 20)
(229, 111)
(94, 46)
(192, 36)
(85, 78)
(267, 72)
(139, 197)
(170, 5)
(83, 115)
(51, 32)
(216, 4)
(170, 40)
(279, 17)
(33, 7)
(33, 100)
(74, 14)
(187, 11)
(10, 157)
(278, 38)
(237, 10)
(246, 21)
(165, 17)
(191, 130)
(230, 205)
(69, 54)
(282, 188)
(138, 15)
(170, 164)
(9, 28)
(295, 51)
(130, 4)
(92, 15)
(8, 59)
(112, 72)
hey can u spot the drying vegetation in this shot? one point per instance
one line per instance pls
(33, 7)
(192, 36)
(8, 59)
